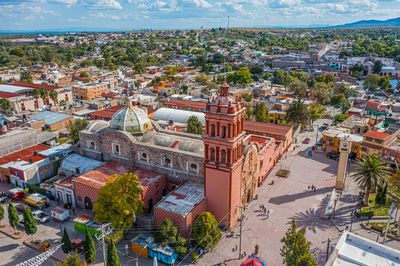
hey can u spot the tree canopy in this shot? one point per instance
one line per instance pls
(260, 112)
(167, 233)
(29, 222)
(119, 201)
(206, 232)
(75, 127)
(194, 126)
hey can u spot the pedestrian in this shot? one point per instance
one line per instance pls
(236, 247)
(308, 187)
(244, 253)
(315, 189)
(264, 211)
(268, 214)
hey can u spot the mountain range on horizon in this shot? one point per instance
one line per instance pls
(394, 22)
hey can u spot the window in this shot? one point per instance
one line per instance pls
(91, 145)
(212, 154)
(379, 141)
(167, 161)
(193, 167)
(223, 131)
(212, 130)
(116, 149)
(143, 156)
(223, 156)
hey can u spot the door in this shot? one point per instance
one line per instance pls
(88, 203)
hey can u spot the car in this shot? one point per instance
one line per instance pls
(306, 140)
(3, 197)
(332, 155)
(40, 216)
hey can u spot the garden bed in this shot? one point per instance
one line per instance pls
(381, 227)
(9, 231)
(375, 210)
(283, 173)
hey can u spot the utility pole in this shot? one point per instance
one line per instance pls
(391, 210)
(241, 228)
(105, 231)
(228, 23)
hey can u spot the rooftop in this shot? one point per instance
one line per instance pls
(183, 199)
(75, 161)
(31, 153)
(50, 118)
(106, 113)
(7, 95)
(33, 85)
(260, 127)
(377, 135)
(353, 249)
(177, 115)
(56, 150)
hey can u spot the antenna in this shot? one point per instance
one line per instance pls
(228, 23)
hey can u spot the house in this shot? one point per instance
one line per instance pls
(53, 120)
(375, 141)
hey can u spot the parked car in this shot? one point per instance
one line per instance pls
(3, 197)
(40, 216)
(332, 155)
(306, 140)
(16, 194)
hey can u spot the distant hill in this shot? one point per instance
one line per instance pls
(394, 22)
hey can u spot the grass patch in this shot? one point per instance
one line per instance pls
(381, 227)
(394, 184)
(375, 210)
(283, 173)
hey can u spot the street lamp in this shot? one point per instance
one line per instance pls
(352, 218)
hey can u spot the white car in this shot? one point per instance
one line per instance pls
(40, 216)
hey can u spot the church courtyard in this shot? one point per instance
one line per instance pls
(286, 199)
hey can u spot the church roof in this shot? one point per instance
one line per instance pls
(131, 119)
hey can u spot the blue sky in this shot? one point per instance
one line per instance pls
(184, 14)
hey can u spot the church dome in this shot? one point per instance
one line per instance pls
(131, 119)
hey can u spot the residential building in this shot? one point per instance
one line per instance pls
(90, 92)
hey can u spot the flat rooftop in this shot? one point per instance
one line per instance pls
(355, 250)
(50, 118)
(266, 128)
(31, 153)
(183, 199)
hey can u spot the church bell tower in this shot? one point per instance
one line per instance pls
(223, 150)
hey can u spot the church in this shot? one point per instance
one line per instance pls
(219, 171)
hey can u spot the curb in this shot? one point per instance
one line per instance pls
(13, 236)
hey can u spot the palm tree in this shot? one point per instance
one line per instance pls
(54, 96)
(371, 171)
(36, 95)
(43, 94)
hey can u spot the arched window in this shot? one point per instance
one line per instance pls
(223, 156)
(212, 154)
(212, 130)
(143, 156)
(223, 131)
(193, 167)
(167, 161)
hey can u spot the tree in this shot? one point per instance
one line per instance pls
(267, 75)
(202, 78)
(194, 126)
(4, 104)
(206, 232)
(75, 126)
(71, 260)
(66, 247)
(89, 248)
(295, 247)
(43, 94)
(384, 83)
(242, 76)
(297, 113)
(371, 82)
(184, 88)
(13, 218)
(112, 255)
(167, 232)
(340, 101)
(298, 88)
(36, 95)
(316, 111)
(371, 171)
(339, 118)
(54, 96)
(26, 76)
(181, 245)
(377, 68)
(260, 112)
(247, 97)
(322, 91)
(119, 201)
(29, 222)
(1, 215)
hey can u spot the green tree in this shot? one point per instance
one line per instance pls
(43, 94)
(260, 112)
(242, 76)
(89, 248)
(26, 76)
(119, 201)
(371, 171)
(36, 95)
(384, 83)
(296, 248)
(29, 222)
(194, 126)
(339, 118)
(1, 215)
(112, 255)
(247, 97)
(13, 218)
(67, 246)
(371, 82)
(184, 89)
(167, 232)
(54, 96)
(377, 68)
(298, 114)
(75, 126)
(298, 88)
(4, 104)
(316, 111)
(71, 260)
(322, 91)
(206, 232)
(267, 76)
(202, 78)
(180, 245)
(340, 101)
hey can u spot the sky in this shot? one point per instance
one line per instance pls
(32, 15)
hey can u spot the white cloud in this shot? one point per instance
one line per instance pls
(102, 4)
(200, 3)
